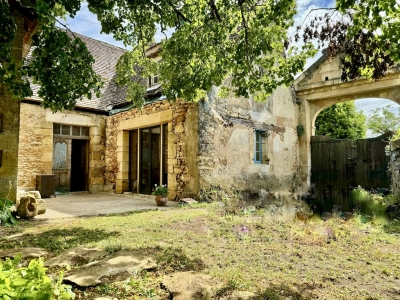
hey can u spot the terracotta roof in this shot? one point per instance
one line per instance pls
(106, 57)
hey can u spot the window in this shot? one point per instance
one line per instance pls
(68, 130)
(153, 80)
(260, 147)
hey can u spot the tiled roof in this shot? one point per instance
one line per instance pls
(106, 57)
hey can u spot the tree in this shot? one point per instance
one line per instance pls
(212, 41)
(384, 120)
(365, 33)
(341, 121)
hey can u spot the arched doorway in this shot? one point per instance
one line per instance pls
(320, 87)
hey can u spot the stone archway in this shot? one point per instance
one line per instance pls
(320, 87)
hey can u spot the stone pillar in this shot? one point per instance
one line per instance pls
(305, 120)
(122, 184)
(394, 167)
(10, 110)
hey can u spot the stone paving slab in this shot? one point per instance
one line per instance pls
(86, 204)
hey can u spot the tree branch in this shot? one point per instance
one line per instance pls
(62, 24)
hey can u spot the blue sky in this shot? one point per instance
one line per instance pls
(86, 24)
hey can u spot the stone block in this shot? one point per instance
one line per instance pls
(97, 188)
(97, 180)
(179, 128)
(178, 170)
(41, 206)
(27, 207)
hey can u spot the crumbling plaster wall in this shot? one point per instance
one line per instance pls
(35, 154)
(226, 147)
(182, 120)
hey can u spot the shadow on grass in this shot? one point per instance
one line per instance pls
(57, 240)
(176, 260)
(283, 292)
(278, 292)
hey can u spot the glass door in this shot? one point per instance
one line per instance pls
(150, 151)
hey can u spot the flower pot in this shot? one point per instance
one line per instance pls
(161, 200)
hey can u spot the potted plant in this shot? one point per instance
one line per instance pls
(161, 192)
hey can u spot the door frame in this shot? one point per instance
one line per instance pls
(139, 150)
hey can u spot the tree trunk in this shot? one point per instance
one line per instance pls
(9, 123)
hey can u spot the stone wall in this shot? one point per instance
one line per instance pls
(36, 144)
(182, 145)
(226, 144)
(394, 167)
(9, 127)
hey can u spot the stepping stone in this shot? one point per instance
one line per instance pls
(25, 253)
(190, 285)
(76, 257)
(116, 267)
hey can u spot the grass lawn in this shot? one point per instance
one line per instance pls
(254, 252)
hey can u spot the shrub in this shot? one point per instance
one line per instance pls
(7, 210)
(30, 282)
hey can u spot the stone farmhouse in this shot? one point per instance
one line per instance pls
(105, 144)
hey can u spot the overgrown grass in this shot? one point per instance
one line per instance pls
(247, 251)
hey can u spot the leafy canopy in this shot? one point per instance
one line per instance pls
(243, 42)
(365, 32)
(384, 120)
(341, 121)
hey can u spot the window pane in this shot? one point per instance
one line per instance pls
(155, 80)
(66, 129)
(257, 146)
(85, 131)
(76, 131)
(258, 157)
(56, 129)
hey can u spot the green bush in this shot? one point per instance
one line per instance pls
(6, 212)
(30, 283)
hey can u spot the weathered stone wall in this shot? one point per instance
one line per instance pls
(36, 144)
(226, 145)
(9, 118)
(394, 167)
(182, 120)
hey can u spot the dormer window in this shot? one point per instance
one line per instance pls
(153, 80)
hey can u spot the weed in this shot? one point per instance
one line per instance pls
(7, 210)
(232, 285)
(174, 259)
(282, 292)
(112, 248)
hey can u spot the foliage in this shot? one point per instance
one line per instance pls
(7, 209)
(365, 32)
(7, 212)
(300, 130)
(160, 190)
(213, 41)
(132, 72)
(384, 120)
(341, 121)
(30, 282)
(59, 62)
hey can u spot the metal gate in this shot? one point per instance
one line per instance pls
(338, 166)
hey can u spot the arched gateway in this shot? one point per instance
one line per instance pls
(320, 87)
